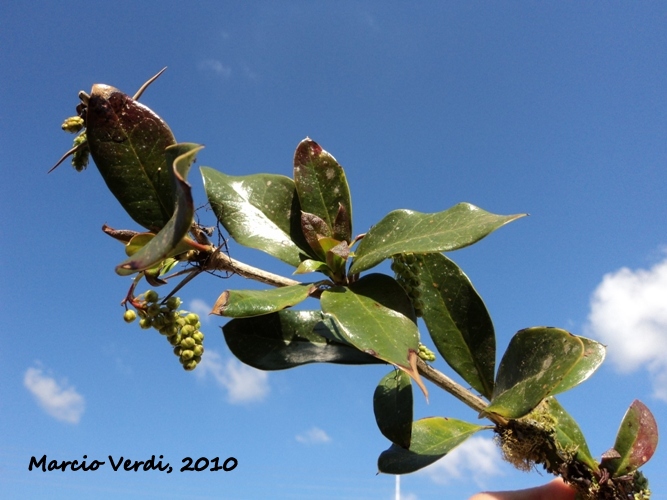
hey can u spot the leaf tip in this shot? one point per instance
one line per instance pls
(220, 304)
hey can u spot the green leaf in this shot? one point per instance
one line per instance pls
(140, 240)
(594, 354)
(127, 141)
(432, 439)
(287, 339)
(168, 241)
(534, 364)
(310, 266)
(259, 211)
(568, 433)
(376, 316)
(247, 303)
(392, 405)
(323, 189)
(636, 440)
(457, 320)
(407, 231)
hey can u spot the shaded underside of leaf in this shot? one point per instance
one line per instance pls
(636, 440)
(568, 433)
(407, 231)
(322, 187)
(536, 361)
(392, 405)
(127, 141)
(259, 211)
(432, 439)
(457, 320)
(247, 303)
(287, 339)
(168, 242)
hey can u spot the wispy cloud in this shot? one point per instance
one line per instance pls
(59, 400)
(314, 435)
(243, 383)
(629, 314)
(478, 457)
(202, 308)
(216, 67)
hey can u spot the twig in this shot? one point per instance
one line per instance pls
(456, 390)
(223, 262)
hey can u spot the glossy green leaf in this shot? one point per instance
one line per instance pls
(594, 354)
(247, 303)
(535, 362)
(636, 440)
(310, 266)
(407, 231)
(322, 187)
(287, 339)
(167, 242)
(568, 433)
(432, 439)
(138, 241)
(376, 316)
(457, 320)
(127, 141)
(392, 405)
(259, 211)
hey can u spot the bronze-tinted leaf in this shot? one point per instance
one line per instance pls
(322, 187)
(636, 440)
(127, 141)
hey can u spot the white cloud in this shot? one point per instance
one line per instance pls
(201, 308)
(477, 457)
(216, 67)
(58, 399)
(243, 383)
(629, 314)
(314, 435)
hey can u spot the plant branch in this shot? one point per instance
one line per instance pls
(222, 262)
(219, 261)
(456, 390)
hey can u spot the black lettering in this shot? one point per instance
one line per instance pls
(227, 468)
(161, 467)
(188, 466)
(115, 465)
(217, 467)
(94, 465)
(150, 463)
(199, 467)
(41, 463)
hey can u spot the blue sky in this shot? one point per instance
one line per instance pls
(552, 108)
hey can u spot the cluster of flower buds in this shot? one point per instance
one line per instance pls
(81, 153)
(425, 353)
(180, 327)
